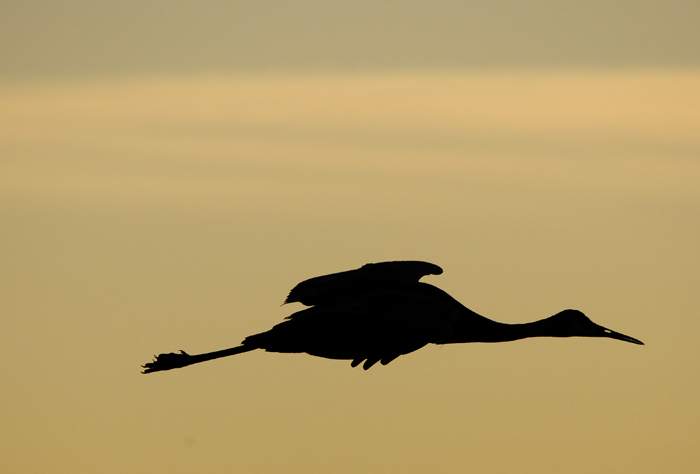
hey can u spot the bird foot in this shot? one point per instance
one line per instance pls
(172, 360)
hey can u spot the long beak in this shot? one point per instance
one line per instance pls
(619, 336)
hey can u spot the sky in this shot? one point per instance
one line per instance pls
(168, 174)
(96, 38)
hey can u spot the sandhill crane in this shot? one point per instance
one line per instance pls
(381, 311)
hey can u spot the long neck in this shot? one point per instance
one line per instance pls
(485, 330)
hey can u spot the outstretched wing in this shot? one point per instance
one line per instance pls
(373, 276)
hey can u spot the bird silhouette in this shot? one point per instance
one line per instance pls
(381, 311)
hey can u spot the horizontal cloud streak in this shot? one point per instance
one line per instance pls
(233, 140)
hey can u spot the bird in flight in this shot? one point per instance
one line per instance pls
(381, 311)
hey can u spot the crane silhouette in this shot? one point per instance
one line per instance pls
(381, 311)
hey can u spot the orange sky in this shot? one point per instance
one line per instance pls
(156, 213)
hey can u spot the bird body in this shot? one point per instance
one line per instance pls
(381, 311)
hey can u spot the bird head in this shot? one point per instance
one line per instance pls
(571, 322)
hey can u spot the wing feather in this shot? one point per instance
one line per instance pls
(370, 277)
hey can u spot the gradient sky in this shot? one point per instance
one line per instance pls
(159, 193)
(80, 37)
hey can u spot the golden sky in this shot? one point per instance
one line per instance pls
(152, 214)
(169, 171)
